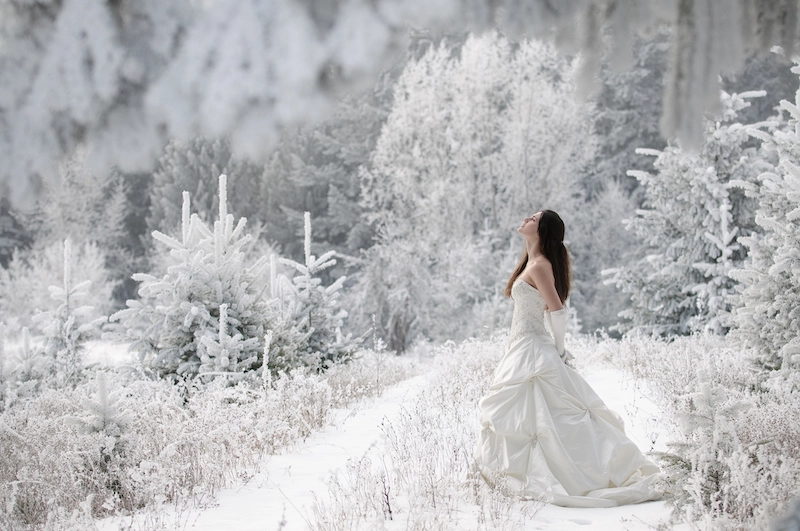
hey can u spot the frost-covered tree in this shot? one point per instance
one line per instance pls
(315, 308)
(68, 327)
(597, 241)
(476, 140)
(24, 285)
(125, 76)
(86, 206)
(195, 166)
(208, 312)
(3, 371)
(14, 232)
(626, 114)
(768, 309)
(316, 169)
(694, 212)
(104, 414)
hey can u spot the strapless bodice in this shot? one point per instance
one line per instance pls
(529, 308)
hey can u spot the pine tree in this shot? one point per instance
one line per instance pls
(195, 166)
(693, 214)
(768, 313)
(104, 414)
(208, 312)
(67, 328)
(24, 285)
(315, 308)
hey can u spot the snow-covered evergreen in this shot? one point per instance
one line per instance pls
(207, 313)
(768, 314)
(24, 285)
(194, 166)
(68, 327)
(315, 308)
(694, 211)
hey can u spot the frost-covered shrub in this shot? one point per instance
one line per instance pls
(206, 314)
(24, 285)
(735, 455)
(115, 445)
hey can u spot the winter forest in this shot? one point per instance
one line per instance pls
(253, 254)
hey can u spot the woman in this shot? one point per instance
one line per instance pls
(544, 431)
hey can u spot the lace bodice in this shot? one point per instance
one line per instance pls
(528, 311)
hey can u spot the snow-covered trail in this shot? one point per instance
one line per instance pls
(281, 495)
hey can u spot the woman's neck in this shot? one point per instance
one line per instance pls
(533, 250)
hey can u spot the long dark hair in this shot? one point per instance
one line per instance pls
(551, 242)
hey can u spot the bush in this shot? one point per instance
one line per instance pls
(117, 444)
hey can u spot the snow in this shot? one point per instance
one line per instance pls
(282, 494)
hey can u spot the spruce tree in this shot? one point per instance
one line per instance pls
(68, 327)
(768, 308)
(208, 312)
(315, 308)
(694, 212)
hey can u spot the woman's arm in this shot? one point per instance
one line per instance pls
(541, 273)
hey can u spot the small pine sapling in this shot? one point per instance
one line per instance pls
(315, 308)
(104, 413)
(68, 327)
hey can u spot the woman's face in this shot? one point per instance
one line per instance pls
(530, 226)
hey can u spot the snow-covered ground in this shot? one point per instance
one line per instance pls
(282, 495)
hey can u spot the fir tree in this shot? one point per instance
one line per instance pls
(768, 314)
(104, 414)
(195, 166)
(67, 328)
(693, 214)
(207, 313)
(315, 308)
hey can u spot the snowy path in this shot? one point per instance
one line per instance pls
(281, 496)
(285, 487)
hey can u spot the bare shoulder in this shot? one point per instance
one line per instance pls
(541, 266)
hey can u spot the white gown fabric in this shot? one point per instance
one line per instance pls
(544, 431)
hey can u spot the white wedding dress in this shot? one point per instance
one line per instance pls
(544, 431)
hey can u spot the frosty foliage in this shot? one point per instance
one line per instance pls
(475, 141)
(24, 285)
(768, 314)
(125, 76)
(120, 446)
(195, 166)
(732, 461)
(693, 214)
(314, 309)
(207, 314)
(67, 328)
